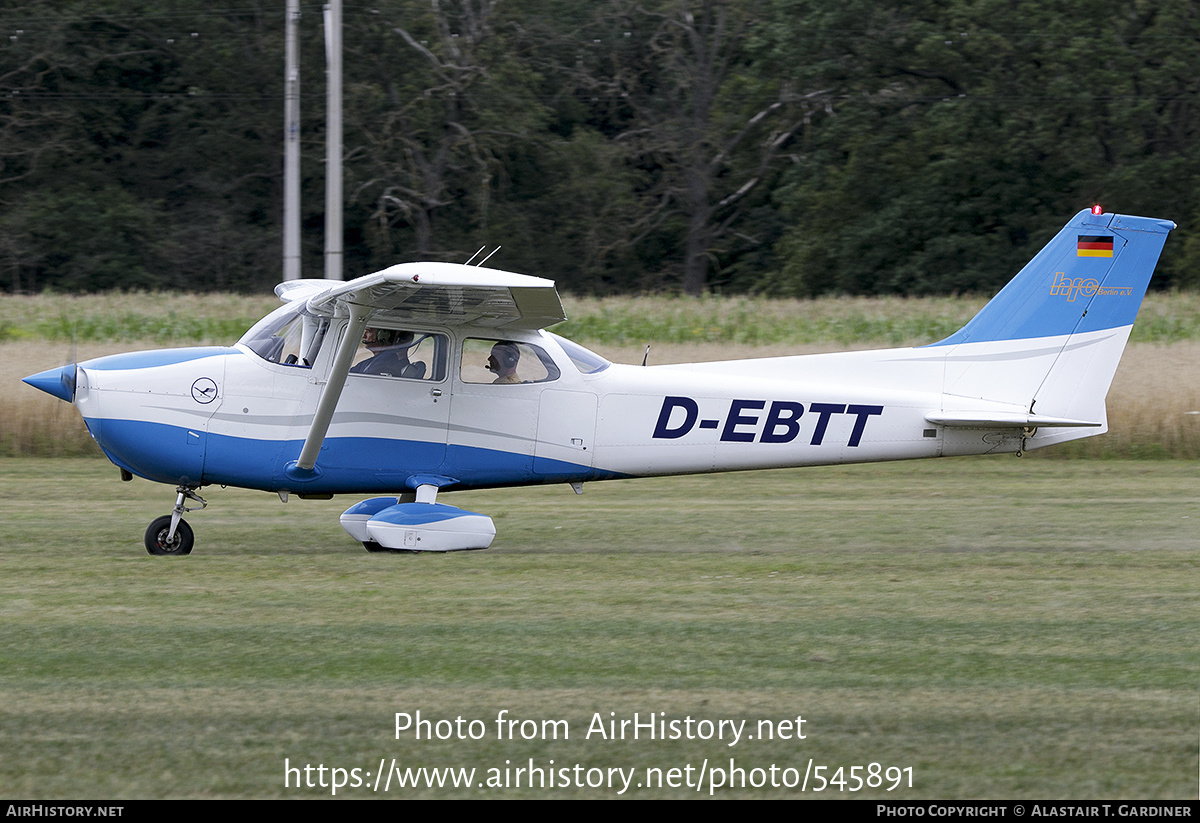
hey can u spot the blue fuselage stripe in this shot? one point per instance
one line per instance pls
(158, 357)
(346, 465)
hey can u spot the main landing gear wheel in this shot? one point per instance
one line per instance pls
(156, 538)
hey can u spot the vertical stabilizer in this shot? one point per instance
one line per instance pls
(1051, 340)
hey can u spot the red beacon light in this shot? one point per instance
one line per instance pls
(1097, 210)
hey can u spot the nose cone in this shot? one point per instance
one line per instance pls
(58, 382)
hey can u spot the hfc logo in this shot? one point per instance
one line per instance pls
(1071, 287)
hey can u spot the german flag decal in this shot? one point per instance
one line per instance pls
(1091, 245)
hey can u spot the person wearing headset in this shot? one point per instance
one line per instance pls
(502, 362)
(389, 354)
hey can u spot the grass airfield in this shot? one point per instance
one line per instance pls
(1006, 628)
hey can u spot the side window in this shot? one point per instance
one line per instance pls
(400, 353)
(505, 361)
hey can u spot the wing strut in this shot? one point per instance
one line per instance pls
(302, 469)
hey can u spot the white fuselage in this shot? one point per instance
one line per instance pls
(229, 416)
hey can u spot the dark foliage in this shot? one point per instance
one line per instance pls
(789, 147)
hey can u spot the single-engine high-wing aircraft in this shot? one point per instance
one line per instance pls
(432, 377)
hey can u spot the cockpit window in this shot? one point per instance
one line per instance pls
(505, 362)
(401, 353)
(587, 361)
(287, 337)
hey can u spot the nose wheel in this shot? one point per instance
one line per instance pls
(170, 535)
(160, 542)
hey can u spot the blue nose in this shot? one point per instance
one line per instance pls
(59, 382)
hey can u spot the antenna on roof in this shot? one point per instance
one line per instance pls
(484, 260)
(476, 254)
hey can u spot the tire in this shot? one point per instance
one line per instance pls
(156, 536)
(373, 547)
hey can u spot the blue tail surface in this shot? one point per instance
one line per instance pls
(1092, 276)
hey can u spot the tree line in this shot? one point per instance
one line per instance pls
(785, 147)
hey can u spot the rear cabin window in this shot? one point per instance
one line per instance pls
(586, 360)
(505, 362)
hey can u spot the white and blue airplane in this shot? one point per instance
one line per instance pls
(432, 377)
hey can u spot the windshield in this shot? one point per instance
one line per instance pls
(287, 337)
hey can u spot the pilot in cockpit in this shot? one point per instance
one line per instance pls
(502, 362)
(389, 354)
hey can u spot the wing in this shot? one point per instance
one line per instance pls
(444, 293)
(291, 290)
(447, 294)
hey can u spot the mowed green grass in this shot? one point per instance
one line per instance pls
(1006, 628)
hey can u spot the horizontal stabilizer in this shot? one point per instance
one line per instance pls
(991, 419)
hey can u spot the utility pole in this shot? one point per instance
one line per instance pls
(333, 141)
(291, 152)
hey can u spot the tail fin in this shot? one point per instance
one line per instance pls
(1051, 340)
